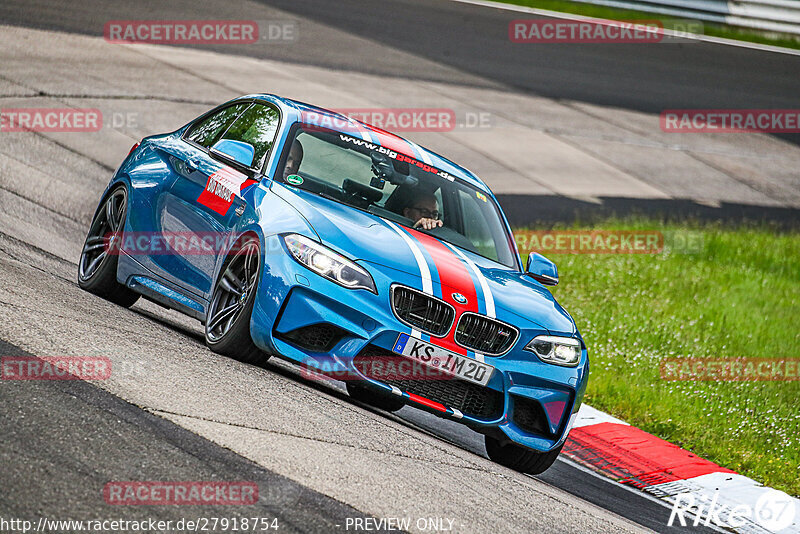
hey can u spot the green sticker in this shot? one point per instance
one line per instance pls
(294, 179)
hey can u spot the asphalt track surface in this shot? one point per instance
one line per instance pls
(468, 46)
(183, 413)
(62, 441)
(364, 36)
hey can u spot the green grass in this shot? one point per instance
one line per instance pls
(738, 296)
(709, 28)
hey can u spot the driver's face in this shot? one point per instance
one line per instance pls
(423, 208)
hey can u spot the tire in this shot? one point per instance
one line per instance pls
(97, 266)
(227, 325)
(378, 399)
(519, 458)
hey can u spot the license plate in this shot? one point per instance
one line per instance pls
(443, 360)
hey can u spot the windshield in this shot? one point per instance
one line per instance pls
(399, 188)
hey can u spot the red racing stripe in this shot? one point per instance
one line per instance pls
(391, 141)
(454, 277)
(427, 402)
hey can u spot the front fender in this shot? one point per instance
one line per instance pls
(266, 215)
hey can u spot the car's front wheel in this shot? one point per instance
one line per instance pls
(227, 325)
(378, 399)
(97, 267)
(519, 458)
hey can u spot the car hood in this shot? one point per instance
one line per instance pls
(365, 237)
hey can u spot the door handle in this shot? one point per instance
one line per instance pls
(192, 165)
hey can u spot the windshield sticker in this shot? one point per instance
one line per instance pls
(481, 196)
(294, 179)
(395, 155)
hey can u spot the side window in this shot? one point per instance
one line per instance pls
(476, 228)
(257, 127)
(206, 132)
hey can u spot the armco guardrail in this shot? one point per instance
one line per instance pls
(781, 16)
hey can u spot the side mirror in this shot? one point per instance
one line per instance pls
(541, 269)
(238, 153)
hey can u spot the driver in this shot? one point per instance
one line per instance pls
(424, 209)
(294, 159)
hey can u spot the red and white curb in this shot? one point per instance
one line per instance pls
(699, 492)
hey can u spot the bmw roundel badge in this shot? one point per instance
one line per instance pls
(458, 297)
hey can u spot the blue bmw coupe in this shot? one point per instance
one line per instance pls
(294, 231)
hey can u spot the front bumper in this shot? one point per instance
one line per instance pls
(525, 401)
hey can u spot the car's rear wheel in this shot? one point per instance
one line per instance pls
(373, 397)
(519, 458)
(97, 267)
(227, 325)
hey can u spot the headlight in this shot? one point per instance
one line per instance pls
(325, 262)
(556, 350)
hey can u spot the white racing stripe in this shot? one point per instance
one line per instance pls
(487, 292)
(364, 131)
(424, 270)
(423, 154)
